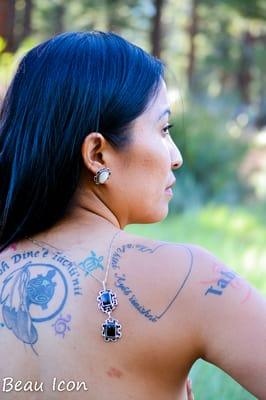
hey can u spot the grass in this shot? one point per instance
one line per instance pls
(242, 235)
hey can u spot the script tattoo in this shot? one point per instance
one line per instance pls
(16, 258)
(121, 283)
(224, 278)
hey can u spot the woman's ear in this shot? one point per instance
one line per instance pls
(93, 151)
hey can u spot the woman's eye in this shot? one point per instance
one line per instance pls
(166, 129)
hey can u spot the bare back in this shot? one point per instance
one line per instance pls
(51, 326)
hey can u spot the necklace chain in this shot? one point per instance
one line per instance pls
(107, 299)
(104, 282)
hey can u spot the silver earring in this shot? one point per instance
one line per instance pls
(102, 175)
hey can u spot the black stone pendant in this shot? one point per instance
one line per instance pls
(107, 300)
(111, 330)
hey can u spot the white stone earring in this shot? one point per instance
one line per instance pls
(102, 175)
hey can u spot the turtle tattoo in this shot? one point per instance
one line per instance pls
(40, 290)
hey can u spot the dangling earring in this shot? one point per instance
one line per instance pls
(102, 175)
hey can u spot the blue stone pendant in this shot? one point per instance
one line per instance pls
(107, 300)
(111, 330)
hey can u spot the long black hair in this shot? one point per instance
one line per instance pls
(70, 85)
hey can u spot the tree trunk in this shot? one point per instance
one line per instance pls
(27, 29)
(157, 28)
(7, 22)
(244, 76)
(192, 31)
(59, 18)
(112, 19)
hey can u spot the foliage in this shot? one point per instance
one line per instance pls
(9, 61)
(209, 382)
(252, 9)
(211, 160)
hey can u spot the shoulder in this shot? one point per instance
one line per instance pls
(182, 269)
(172, 279)
(173, 255)
(168, 256)
(201, 283)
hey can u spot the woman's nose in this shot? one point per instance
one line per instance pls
(177, 159)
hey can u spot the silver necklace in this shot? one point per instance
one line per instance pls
(107, 299)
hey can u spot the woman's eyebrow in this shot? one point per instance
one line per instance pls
(167, 111)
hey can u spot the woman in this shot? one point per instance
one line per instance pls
(88, 310)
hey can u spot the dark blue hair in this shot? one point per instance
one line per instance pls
(65, 88)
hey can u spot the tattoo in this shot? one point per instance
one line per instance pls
(71, 269)
(3, 267)
(25, 256)
(120, 279)
(225, 278)
(36, 291)
(120, 283)
(129, 246)
(222, 283)
(61, 325)
(27, 297)
(91, 263)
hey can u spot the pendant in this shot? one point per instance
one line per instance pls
(111, 330)
(107, 300)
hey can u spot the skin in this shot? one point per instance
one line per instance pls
(139, 175)
(176, 302)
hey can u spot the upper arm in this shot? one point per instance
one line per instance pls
(231, 318)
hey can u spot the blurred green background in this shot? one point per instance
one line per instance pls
(215, 56)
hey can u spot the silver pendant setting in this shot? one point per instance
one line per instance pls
(107, 300)
(111, 330)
